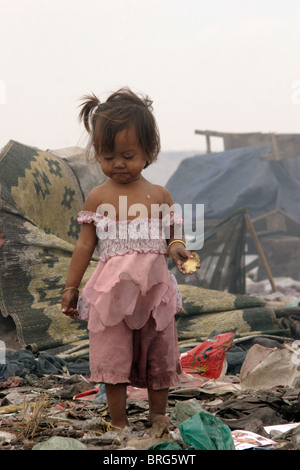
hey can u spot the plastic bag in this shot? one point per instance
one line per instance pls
(207, 359)
(183, 410)
(204, 431)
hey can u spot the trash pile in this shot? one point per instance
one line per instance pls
(229, 398)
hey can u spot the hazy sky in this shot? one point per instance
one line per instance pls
(231, 66)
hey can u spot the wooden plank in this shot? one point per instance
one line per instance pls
(260, 251)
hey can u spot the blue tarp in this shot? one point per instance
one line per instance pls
(227, 181)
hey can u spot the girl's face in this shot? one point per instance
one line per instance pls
(127, 160)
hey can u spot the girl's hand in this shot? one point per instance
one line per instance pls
(180, 254)
(69, 303)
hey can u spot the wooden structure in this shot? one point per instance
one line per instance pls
(283, 145)
(279, 237)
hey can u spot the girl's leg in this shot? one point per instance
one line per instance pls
(158, 400)
(116, 401)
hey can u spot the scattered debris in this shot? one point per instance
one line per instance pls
(61, 411)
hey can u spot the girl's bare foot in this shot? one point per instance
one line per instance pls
(160, 419)
(117, 426)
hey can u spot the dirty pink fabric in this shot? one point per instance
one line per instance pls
(131, 299)
(144, 358)
(130, 288)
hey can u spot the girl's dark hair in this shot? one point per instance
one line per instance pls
(122, 110)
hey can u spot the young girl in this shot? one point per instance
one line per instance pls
(131, 298)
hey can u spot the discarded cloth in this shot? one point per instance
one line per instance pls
(237, 413)
(22, 363)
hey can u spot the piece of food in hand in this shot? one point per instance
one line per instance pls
(190, 265)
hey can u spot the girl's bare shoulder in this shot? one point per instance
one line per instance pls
(163, 193)
(94, 199)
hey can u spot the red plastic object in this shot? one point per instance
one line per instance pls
(207, 358)
(93, 391)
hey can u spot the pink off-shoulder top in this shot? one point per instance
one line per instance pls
(131, 280)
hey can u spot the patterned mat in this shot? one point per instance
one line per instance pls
(208, 312)
(40, 198)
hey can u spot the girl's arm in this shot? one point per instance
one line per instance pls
(176, 250)
(82, 254)
(81, 257)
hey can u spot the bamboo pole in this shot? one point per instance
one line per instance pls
(260, 250)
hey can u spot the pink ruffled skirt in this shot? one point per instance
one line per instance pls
(129, 303)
